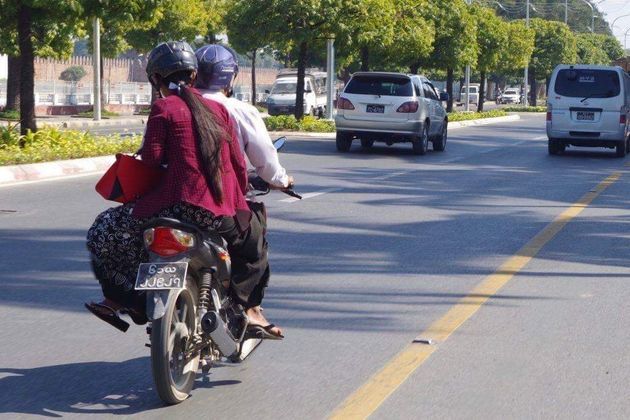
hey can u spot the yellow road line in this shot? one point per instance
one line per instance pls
(377, 389)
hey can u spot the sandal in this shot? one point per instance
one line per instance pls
(108, 315)
(263, 333)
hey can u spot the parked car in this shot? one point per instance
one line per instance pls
(511, 96)
(391, 108)
(473, 94)
(281, 99)
(588, 105)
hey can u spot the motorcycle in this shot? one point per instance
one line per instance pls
(193, 320)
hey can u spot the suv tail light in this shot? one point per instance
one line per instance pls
(549, 109)
(343, 103)
(166, 241)
(408, 107)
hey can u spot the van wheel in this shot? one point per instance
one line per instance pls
(343, 141)
(622, 149)
(420, 143)
(555, 146)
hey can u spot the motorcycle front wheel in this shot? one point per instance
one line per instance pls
(174, 371)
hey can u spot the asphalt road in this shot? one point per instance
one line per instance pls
(384, 245)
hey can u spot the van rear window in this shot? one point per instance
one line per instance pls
(380, 85)
(585, 83)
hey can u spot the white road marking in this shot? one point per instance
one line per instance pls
(310, 195)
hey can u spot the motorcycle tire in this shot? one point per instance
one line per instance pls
(170, 335)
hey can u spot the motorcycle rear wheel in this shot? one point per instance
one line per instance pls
(171, 336)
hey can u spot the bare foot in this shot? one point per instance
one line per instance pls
(256, 317)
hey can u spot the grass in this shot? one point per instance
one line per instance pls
(90, 114)
(11, 114)
(49, 144)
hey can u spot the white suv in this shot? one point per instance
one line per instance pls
(391, 108)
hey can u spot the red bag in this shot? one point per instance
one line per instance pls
(128, 179)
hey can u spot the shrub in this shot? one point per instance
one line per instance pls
(525, 109)
(464, 116)
(72, 74)
(104, 113)
(50, 144)
(308, 123)
(11, 114)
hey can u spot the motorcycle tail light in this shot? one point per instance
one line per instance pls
(408, 107)
(166, 241)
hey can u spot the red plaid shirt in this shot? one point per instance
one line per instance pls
(170, 139)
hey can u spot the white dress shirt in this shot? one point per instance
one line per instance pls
(253, 138)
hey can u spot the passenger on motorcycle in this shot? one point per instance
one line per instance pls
(204, 183)
(218, 69)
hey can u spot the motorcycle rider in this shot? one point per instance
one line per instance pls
(217, 70)
(205, 183)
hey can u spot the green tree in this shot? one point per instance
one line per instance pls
(492, 36)
(247, 31)
(554, 44)
(590, 49)
(455, 40)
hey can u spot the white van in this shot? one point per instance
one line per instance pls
(281, 99)
(473, 94)
(588, 106)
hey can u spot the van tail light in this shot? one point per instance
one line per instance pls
(623, 117)
(408, 107)
(343, 103)
(166, 241)
(549, 108)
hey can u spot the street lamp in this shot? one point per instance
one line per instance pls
(525, 76)
(612, 25)
(592, 16)
(625, 39)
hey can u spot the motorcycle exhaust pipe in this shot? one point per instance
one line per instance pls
(213, 325)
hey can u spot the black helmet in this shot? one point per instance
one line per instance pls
(171, 57)
(217, 67)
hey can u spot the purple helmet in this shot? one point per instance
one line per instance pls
(217, 67)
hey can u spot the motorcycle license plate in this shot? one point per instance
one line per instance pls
(160, 276)
(585, 116)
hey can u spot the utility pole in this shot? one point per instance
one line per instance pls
(527, 63)
(566, 12)
(330, 76)
(96, 62)
(467, 78)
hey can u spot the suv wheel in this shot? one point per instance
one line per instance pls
(420, 143)
(366, 144)
(439, 144)
(344, 141)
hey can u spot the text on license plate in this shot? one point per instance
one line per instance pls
(585, 115)
(376, 108)
(157, 276)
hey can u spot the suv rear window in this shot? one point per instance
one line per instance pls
(586, 83)
(380, 85)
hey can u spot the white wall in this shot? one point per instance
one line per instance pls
(3, 66)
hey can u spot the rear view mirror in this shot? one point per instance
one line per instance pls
(308, 90)
(572, 75)
(279, 142)
(443, 96)
(266, 90)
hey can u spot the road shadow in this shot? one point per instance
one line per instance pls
(121, 388)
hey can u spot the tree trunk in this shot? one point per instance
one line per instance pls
(532, 82)
(365, 58)
(413, 69)
(27, 82)
(482, 91)
(13, 83)
(299, 90)
(254, 77)
(449, 89)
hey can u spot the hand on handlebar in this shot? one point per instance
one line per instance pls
(290, 185)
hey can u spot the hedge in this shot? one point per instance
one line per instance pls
(465, 116)
(308, 123)
(525, 109)
(50, 144)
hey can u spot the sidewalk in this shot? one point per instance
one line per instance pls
(68, 121)
(21, 174)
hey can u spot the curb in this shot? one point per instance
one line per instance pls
(19, 174)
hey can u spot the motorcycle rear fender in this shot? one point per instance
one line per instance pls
(157, 302)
